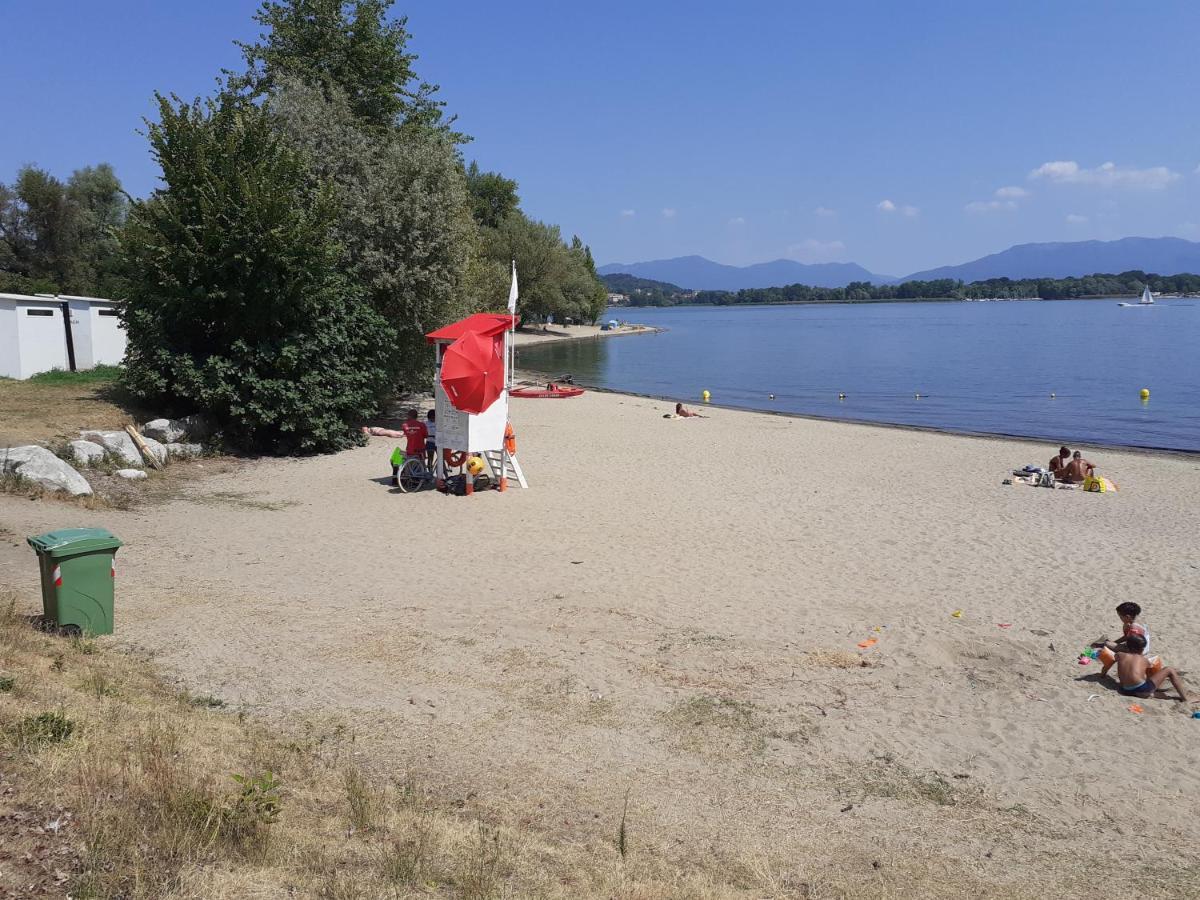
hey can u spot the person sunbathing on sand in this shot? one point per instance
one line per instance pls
(1059, 464)
(1136, 679)
(684, 413)
(1077, 469)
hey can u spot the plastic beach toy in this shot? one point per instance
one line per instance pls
(957, 614)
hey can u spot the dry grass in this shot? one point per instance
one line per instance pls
(35, 410)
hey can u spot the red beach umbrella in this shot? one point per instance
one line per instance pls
(473, 372)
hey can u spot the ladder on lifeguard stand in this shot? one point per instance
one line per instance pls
(505, 465)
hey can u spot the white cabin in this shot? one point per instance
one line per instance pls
(44, 332)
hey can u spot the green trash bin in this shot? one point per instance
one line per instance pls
(78, 571)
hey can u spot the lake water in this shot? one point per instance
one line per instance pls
(979, 367)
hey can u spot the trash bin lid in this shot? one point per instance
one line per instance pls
(69, 541)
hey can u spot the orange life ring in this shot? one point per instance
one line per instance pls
(510, 439)
(454, 458)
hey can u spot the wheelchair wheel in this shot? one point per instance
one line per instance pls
(413, 476)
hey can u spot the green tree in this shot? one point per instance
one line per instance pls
(402, 217)
(554, 279)
(100, 207)
(493, 197)
(61, 237)
(237, 306)
(346, 47)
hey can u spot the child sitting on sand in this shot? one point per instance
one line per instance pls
(1128, 612)
(1135, 677)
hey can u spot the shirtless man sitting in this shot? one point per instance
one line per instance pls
(1133, 671)
(1077, 469)
(1059, 464)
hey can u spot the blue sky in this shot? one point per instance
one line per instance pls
(900, 135)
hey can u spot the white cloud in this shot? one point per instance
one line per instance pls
(1189, 229)
(812, 250)
(1011, 193)
(1076, 219)
(889, 207)
(824, 212)
(628, 213)
(668, 213)
(1106, 175)
(737, 221)
(987, 206)
(1198, 170)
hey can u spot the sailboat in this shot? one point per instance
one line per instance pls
(1146, 300)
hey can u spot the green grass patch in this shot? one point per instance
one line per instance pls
(98, 375)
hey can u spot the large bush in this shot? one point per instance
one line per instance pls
(236, 304)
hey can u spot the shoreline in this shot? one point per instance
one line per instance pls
(589, 333)
(1091, 298)
(527, 374)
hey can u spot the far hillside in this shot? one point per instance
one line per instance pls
(645, 291)
(1126, 284)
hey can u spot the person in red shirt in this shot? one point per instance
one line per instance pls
(415, 433)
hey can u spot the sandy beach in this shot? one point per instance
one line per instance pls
(673, 612)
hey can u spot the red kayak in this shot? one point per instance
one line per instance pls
(550, 390)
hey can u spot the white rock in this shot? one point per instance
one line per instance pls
(131, 474)
(184, 451)
(157, 450)
(86, 453)
(166, 430)
(119, 443)
(39, 465)
(172, 431)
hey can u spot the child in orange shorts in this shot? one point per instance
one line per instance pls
(1129, 612)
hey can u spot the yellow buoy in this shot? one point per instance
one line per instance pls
(1144, 394)
(705, 396)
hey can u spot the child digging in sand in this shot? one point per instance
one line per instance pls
(1128, 612)
(1136, 679)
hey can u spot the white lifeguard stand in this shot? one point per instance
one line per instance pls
(480, 434)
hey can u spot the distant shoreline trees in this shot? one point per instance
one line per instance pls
(646, 292)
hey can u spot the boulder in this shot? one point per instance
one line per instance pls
(184, 451)
(39, 465)
(118, 443)
(166, 430)
(157, 450)
(172, 431)
(131, 474)
(86, 453)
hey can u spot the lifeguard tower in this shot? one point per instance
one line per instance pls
(470, 390)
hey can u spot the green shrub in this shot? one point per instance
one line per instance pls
(236, 306)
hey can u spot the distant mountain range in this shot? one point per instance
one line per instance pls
(1163, 256)
(699, 274)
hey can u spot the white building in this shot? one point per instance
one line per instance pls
(41, 333)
